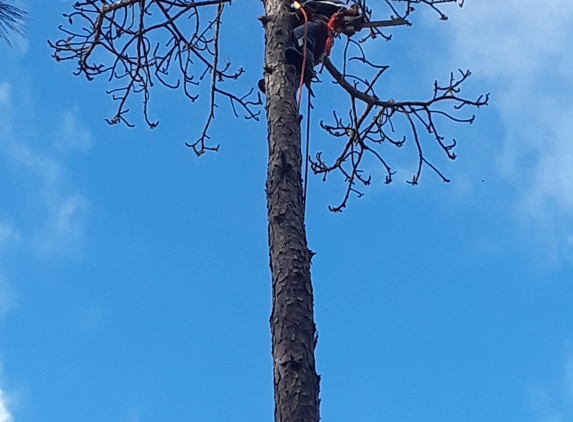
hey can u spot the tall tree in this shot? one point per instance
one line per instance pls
(296, 383)
(12, 20)
(137, 43)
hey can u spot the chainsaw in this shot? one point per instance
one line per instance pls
(353, 24)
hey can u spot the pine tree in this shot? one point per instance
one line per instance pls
(145, 41)
(12, 21)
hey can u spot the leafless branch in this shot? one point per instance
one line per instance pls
(138, 43)
(371, 121)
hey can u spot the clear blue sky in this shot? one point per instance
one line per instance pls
(134, 278)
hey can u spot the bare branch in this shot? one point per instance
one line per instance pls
(138, 43)
(366, 132)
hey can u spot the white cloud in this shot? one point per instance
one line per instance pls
(7, 297)
(568, 381)
(569, 250)
(5, 415)
(58, 226)
(134, 414)
(63, 229)
(554, 403)
(74, 136)
(8, 234)
(4, 93)
(39, 163)
(521, 50)
(48, 214)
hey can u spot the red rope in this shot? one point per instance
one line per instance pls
(331, 33)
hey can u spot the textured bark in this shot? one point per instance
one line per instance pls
(296, 383)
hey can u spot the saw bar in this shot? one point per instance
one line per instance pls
(354, 24)
(383, 24)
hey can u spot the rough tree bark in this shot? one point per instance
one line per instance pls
(296, 383)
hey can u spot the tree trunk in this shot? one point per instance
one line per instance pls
(296, 383)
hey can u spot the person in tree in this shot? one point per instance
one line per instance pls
(320, 21)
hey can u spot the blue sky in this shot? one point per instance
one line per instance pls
(134, 280)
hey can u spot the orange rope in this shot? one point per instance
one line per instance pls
(302, 71)
(304, 49)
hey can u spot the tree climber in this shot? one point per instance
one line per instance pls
(321, 21)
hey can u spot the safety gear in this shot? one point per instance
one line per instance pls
(314, 24)
(319, 21)
(316, 35)
(325, 7)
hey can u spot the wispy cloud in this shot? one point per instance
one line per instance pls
(8, 234)
(568, 381)
(74, 136)
(4, 92)
(554, 403)
(59, 225)
(63, 229)
(5, 415)
(46, 215)
(134, 415)
(7, 296)
(521, 50)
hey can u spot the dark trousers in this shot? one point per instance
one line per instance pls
(314, 34)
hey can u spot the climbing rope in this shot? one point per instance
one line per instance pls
(298, 6)
(306, 154)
